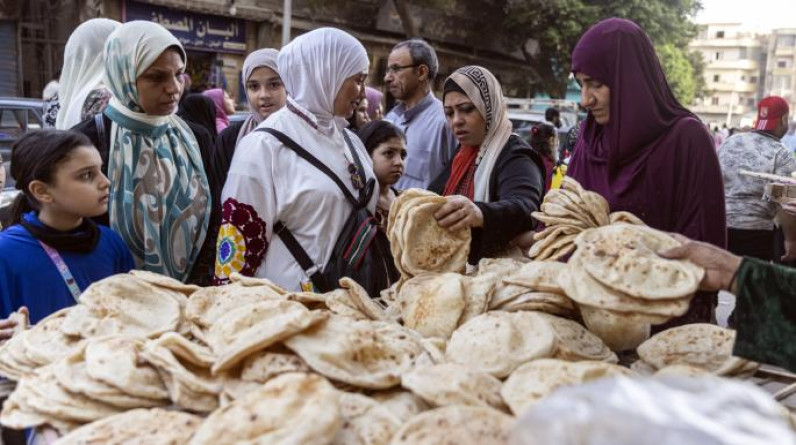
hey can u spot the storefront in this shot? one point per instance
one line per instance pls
(216, 45)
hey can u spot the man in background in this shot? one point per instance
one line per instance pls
(430, 144)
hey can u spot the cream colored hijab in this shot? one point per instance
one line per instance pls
(83, 69)
(484, 90)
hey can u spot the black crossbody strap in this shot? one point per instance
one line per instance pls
(301, 256)
(291, 144)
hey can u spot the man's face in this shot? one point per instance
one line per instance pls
(402, 78)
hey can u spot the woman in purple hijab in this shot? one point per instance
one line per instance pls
(642, 150)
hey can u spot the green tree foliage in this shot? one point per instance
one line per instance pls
(679, 72)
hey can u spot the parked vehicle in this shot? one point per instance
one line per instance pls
(18, 115)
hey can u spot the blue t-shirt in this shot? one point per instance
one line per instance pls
(29, 278)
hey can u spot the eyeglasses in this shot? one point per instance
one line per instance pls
(395, 68)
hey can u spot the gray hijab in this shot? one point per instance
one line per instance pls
(261, 58)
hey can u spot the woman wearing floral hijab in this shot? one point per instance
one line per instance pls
(82, 92)
(497, 179)
(642, 150)
(323, 72)
(160, 193)
(266, 95)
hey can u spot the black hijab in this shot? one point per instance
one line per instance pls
(200, 110)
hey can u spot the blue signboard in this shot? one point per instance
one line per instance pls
(193, 30)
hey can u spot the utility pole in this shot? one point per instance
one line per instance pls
(287, 12)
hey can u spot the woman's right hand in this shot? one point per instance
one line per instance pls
(8, 326)
(720, 265)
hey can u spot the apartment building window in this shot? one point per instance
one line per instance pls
(743, 54)
(719, 34)
(783, 63)
(786, 40)
(753, 79)
(716, 78)
(714, 100)
(750, 102)
(782, 82)
(719, 55)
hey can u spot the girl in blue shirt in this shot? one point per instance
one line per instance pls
(53, 250)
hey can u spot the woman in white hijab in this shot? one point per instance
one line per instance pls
(161, 194)
(83, 93)
(266, 95)
(324, 73)
(496, 180)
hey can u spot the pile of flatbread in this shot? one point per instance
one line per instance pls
(417, 242)
(623, 286)
(693, 349)
(568, 211)
(251, 362)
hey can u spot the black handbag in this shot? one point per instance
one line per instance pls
(361, 252)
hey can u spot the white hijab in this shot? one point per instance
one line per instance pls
(314, 66)
(484, 90)
(265, 57)
(83, 69)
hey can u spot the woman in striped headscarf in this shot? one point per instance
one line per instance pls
(161, 192)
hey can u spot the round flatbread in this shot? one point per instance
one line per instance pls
(452, 384)
(498, 342)
(540, 276)
(154, 426)
(402, 404)
(624, 257)
(365, 354)
(365, 422)
(115, 361)
(45, 343)
(701, 345)
(293, 408)
(620, 331)
(535, 380)
(575, 343)
(581, 287)
(209, 304)
(254, 327)
(625, 218)
(265, 365)
(126, 303)
(456, 425)
(432, 304)
(429, 247)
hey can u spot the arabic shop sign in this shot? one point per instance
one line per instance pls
(193, 30)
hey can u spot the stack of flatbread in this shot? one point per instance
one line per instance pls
(499, 342)
(250, 362)
(568, 211)
(622, 286)
(100, 378)
(418, 243)
(691, 349)
(534, 287)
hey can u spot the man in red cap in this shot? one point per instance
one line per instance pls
(750, 219)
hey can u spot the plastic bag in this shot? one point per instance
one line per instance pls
(656, 411)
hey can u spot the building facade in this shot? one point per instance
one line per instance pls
(735, 62)
(217, 35)
(781, 66)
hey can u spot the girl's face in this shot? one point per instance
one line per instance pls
(78, 188)
(160, 86)
(388, 161)
(352, 90)
(361, 114)
(464, 119)
(229, 104)
(265, 91)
